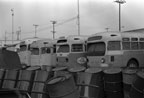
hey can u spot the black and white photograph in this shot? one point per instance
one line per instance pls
(71, 49)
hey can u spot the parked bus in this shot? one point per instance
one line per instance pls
(23, 49)
(43, 53)
(117, 49)
(71, 51)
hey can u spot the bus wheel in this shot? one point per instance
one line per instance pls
(132, 64)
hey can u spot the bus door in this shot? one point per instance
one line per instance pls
(45, 56)
(35, 56)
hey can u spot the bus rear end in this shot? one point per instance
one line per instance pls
(43, 53)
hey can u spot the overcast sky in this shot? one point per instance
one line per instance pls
(95, 16)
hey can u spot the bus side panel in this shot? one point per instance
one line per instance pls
(72, 59)
(114, 60)
(138, 55)
(111, 60)
(117, 60)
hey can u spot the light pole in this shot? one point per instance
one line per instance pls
(5, 36)
(19, 33)
(35, 29)
(120, 2)
(12, 10)
(53, 22)
(78, 17)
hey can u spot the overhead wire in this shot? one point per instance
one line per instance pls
(58, 24)
(49, 27)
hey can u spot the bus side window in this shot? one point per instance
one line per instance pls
(141, 45)
(126, 45)
(134, 45)
(114, 45)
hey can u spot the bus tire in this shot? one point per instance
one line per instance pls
(133, 63)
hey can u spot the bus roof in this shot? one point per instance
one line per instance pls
(42, 43)
(105, 36)
(29, 40)
(72, 39)
(136, 30)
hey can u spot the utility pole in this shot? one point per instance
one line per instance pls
(120, 2)
(78, 17)
(35, 29)
(53, 23)
(12, 10)
(5, 37)
(18, 33)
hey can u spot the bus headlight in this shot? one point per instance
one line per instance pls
(102, 60)
(81, 60)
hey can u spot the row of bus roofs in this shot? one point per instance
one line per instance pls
(113, 49)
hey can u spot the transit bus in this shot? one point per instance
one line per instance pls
(43, 53)
(117, 49)
(23, 49)
(71, 51)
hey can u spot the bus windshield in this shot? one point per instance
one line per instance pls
(96, 49)
(63, 48)
(77, 48)
(35, 51)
